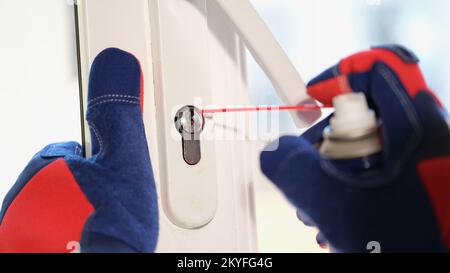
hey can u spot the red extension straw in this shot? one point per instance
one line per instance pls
(305, 107)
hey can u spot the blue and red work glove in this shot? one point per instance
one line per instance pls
(107, 202)
(405, 205)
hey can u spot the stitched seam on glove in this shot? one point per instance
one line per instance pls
(114, 101)
(115, 96)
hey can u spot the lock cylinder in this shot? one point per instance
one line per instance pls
(189, 122)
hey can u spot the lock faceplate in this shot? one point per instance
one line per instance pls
(189, 193)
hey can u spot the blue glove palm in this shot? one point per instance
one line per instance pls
(403, 205)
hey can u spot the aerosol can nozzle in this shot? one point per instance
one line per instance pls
(353, 130)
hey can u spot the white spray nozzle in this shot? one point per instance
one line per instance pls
(353, 129)
(352, 114)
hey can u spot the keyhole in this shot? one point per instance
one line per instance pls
(189, 122)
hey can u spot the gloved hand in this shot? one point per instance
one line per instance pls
(404, 206)
(107, 202)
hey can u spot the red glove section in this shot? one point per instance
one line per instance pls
(44, 204)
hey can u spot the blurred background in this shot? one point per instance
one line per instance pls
(39, 84)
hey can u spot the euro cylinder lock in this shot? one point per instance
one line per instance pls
(189, 121)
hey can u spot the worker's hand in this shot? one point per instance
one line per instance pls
(107, 202)
(404, 206)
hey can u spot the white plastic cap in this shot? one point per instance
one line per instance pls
(352, 113)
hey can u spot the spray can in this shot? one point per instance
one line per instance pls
(352, 140)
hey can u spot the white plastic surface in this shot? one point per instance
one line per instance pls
(270, 56)
(352, 113)
(181, 62)
(189, 55)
